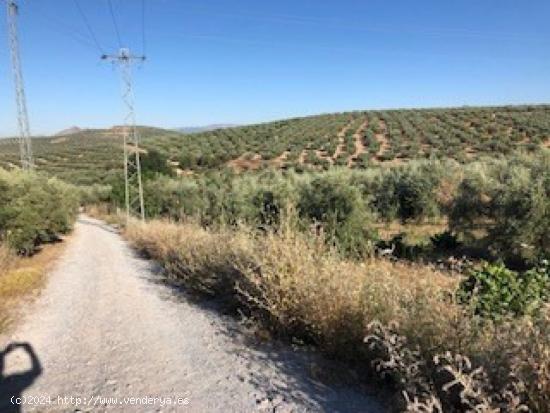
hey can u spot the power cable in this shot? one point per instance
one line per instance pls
(89, 27)
(115, 24)
(143, 35)
(342, 24)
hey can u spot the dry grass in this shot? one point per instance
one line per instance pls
(298, 288)
(7, 259)
(416, 232)
(21, 277)
(107, 213)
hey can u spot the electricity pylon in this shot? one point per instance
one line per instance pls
(132, 166)
(24, 138)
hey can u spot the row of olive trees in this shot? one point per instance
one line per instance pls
(508, 199)
(34, 209)
(512, 198)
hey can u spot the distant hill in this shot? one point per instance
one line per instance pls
(207, 128)
(69, 131)
(352, 139)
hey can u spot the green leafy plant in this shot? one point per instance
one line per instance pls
(34, 209)
(341, 212)
(494, 291)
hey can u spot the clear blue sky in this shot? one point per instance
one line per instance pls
(244, 61)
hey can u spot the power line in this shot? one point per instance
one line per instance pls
(113, 18)
(88, 26)
(143, 39)
(86, 38)
(341, 24)
(73, 34)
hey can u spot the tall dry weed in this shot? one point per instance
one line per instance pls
(298, 287)
(7, 259)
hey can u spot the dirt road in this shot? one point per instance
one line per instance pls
(105, 329)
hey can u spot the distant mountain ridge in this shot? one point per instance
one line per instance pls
(69, 131)
(206, 128)
(73, 130)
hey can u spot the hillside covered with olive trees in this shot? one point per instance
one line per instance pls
(354, 139)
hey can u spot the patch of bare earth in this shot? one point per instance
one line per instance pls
(382, 139)
(246, 163)
(360, 147)
(132, 149)
(341, 142)
(280, 160)
(323, 154)
(416, 232)
(175, 166)
(470, 152)
(525, 139)
(424, 149)
(184, 172)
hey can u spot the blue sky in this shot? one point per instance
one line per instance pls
(243, 61)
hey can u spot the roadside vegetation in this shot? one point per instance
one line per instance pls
(34, 210)
(439, 342)
(21, 277)
(492, 209)
(455, 320)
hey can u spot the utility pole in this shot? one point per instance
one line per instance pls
(132, 166)
(24, 139)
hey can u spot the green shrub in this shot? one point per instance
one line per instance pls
(408, 192)
(95, 194)
(342, 160)
(341, 211)
(154, 162)
(511, 198)
(172, 198)
(494, 291)
(520, 208)
(471, 203)
(34, 209)
(268, 207)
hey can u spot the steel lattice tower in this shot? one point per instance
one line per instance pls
(132, 165)
(22, 114)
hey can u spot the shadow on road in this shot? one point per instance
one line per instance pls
(292, 374)
(284, 377)
(12, 386)
(305, 378)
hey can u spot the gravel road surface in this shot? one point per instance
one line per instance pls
(106, 329)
